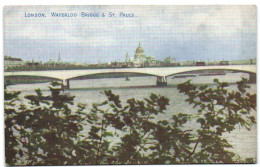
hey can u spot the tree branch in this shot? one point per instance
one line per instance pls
(100, 140)
(196, 145)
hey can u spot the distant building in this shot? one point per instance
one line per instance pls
(118, 64)
(223, 63)
(59, 60)
(200, 63)
(252, 61)
(128, 62)
(12, 62)
(141, 60)
(169, 60)
(187, 63)
(32, 64)
(140, 56)
(127, 58)
(50, 62)
(58, 63)
(81, 64)
(150, 61)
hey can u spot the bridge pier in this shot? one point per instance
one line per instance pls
(66, 84)
(161, 81)
(252, 78)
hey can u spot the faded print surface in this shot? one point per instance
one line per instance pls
(184, 32)
(145, 55)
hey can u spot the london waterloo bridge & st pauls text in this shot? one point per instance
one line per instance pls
(78, 14)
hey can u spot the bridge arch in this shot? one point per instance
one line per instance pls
(219, 69)
(252, 75)
(110, 74)
(13, 79)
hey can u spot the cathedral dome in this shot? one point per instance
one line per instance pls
(140, 56)
(139, 49)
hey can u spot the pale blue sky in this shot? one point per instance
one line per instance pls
(183, 32)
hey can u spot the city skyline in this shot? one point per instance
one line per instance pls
(183, 32)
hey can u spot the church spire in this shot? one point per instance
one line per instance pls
(139, 44)
(59, 60)
(127, 58)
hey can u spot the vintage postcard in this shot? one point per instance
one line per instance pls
(100, 85)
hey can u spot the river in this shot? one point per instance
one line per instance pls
(88, 91)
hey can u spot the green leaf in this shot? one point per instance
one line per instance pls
(201, 121)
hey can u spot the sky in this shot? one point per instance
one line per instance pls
(199, 33)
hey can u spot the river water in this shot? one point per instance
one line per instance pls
(88, 91)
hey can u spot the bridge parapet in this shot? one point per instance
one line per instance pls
(160, 72)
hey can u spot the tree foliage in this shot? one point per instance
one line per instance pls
(50, 130)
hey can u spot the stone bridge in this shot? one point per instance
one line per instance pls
(160, 72)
